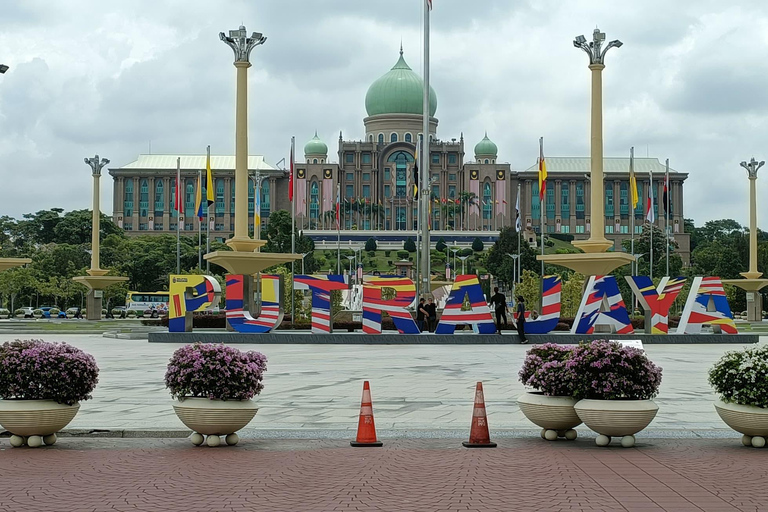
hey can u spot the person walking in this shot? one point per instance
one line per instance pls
(499, 300)
(431, 310)
(421, 315)
(521, 319)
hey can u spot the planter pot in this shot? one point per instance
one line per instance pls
(616, 418)
(214, 418)
(554, 414)
(747, 419)
(33, 422)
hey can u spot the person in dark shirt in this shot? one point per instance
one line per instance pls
(499, 300)
(431, 311)
(421, 314)
(521, 319)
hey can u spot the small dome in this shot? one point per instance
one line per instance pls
(400, 91)
(315, 146)
(486, 147)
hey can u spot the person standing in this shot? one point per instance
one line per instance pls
(521, 319)
(499, 300)
(421, 315)
(431, 310)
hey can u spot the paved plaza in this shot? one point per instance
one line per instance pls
(414, 387)
(414, 475)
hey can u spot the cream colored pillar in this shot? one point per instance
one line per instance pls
(96, 227)
(753, 273)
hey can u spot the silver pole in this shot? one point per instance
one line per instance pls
(519, 236)
(180, 205)
(293, 231)
(338, 234)
(653, 215)
(208, 217)
(542, 205)
(632, 212)
(425, 146)
(666, 214)
(199, 226)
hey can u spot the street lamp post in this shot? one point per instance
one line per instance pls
(463, 259)
(242, 45)
(752, 167)
(454, 250)
(256, 178)
(594, 49)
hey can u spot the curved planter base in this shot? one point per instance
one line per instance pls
(746, 419)
(554, 414)
(210, 419)
(616, 418)
(35, 422)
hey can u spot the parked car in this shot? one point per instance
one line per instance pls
(28, 311)
(47, 312)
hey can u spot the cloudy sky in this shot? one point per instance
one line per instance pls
(115, 77)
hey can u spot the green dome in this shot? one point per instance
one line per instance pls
(486, 147)
(400, 91)
(315, 147)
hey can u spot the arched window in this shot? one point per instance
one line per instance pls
(381, 138)
(265, 206)
(128, 199)
(487, 203)
(172, 199)
(144, 198)
(393, 137)
(407, 137)
(314, 161)
(250, 196)
(232, 198)
(159, 202)
(219, 197)
(314, 202)
(401, 160)
(486, 160)
(370, 137)
(189, 201)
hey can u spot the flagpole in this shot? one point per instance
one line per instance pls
(542, 204)
(293, 230)
(632, 212)
(425, 146)
(338, 235)
(199, 225)
(519, 229)
(178, 202)
(209, 184)
(418, 217)
(652, 216)
(666, 212)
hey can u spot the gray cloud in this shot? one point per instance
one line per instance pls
(110, 77)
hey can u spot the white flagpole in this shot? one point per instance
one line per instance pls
(199, 225)
(293, 228)
(542, 205)
(652, 215)
(519, 229)
(208, 216)
(632, 208)
(425, 162)
(666, 213)
(338, 234)
(179, 209)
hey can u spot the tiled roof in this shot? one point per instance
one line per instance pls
(610, 164)
(195, 162)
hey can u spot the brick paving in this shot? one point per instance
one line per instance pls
(406, 475)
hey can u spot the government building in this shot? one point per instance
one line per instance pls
(373, 178)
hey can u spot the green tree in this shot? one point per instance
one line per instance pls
(497, 261)
(370, 244)
(75, 228)
(477, 245)
(571, 295)
(409, 245)
(440, 245)
(530, 288)
(278, 232)
(642, 246)
(15, 282)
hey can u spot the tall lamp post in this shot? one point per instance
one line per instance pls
(244, 257)
(463, 259)
(752, 282)
(97, 279)
(454, 250)
(596, 261)
(6, 263)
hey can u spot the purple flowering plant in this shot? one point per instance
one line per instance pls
(39, 370)
(544, 369)
(215, 371)
(606, 370)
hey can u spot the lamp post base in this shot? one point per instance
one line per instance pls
(589, 264)
(754, 298)
(248, 263)
(593, 245)
(245, 244)
(96, 285)
(6, 263)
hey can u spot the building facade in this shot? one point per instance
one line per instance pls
(373, 180)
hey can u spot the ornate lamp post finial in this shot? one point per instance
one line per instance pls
(96, 164)
(594, 48)
(752, 167)
(241, 44)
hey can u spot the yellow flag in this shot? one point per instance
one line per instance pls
(632, 181)
(208, 179)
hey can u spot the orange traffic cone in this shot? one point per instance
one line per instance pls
(478, 434)
(366, 429)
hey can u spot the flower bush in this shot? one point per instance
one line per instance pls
(741, 377)
(215, 371)
(544, 368)
(606, 370)
(38, 370)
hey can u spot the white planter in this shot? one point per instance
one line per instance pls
(616, 418)
(747, 419)
(215, 418)
(554, 414)
(34, 421)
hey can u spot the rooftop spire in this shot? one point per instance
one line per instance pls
(401, 46)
